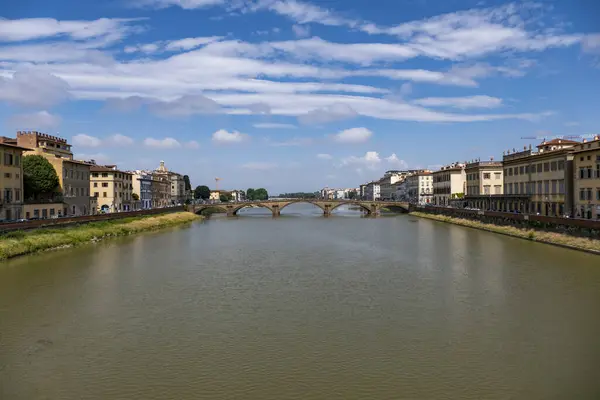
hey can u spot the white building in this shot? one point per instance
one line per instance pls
(238, 195)
(420, 187)
(449, 183)
(402, 191)
(388, 185)
(373, 191)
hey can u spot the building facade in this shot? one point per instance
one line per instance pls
(485, 185)
(238, 195)
(112, 188)
(372, 191)
(540, 182)
(419, 188)
(177, 193)
(11, 182)
(74, 176)
(449, 183)
(586, 187)
(161, 190)
(142, 187)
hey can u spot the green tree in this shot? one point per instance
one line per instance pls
(225, 197)
(352, 194)
(186, 182)
(39, 177)
(202, 192)
(135, 196)
(261, 194)
(250, 194)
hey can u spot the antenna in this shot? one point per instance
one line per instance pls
(217, 183)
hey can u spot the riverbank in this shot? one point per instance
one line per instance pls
(557, 239)
(19, 243)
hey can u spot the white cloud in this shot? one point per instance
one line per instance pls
(259, 166)
(166, 143)
(184, 106)
(370, 160)
(353, 135)
(329, 113)
(34, 121)
(107, 29)
(192, 144)
(185, 4)
(268, 125)
(119, 140)
(83, 140)
(32, 88)
(259, 108)
(324, 156)
(395, 162)
(460, 102)
(171, 45)
(223, 136)
(301, 31)
(296, 141)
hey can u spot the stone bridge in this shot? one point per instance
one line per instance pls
(275, 206)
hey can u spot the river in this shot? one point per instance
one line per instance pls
(302, 307)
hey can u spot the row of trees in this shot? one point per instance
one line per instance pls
(203, 193)
(257, 194)
(300, 195)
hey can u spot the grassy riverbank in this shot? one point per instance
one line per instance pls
(559, 239)
(19, 243)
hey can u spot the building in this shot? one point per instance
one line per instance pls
(485, 185)
(43, 210)
(238, 195)
(361, 191)
(177, 193)
(161, 190)
(74, 176)
(540, 182)
(387, 187)
(11, 181)
(402, 190)
(372, 191)
(586, 186)
(448, 183)
(419, 188)
(112, 188)
(142, 187)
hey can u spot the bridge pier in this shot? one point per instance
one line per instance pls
(327, 210)
(275, 210)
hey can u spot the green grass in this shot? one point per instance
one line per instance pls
(561, 239)
(18, 243)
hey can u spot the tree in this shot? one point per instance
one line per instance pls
(225, 197)
(352, 194)
(39, 177)
(250, 194)
(261, 194)
(135, 196)
(202, 192)
(187, 184)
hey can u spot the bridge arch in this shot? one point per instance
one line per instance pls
(199, 210)
(289, 203)
(352, 203)
(235, 210)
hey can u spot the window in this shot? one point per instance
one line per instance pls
(36, 213)
(598, 194)
(539, 168)
(94, 174)
(52, 211)
(486, 175)
(589, 157)
(581, 173)
(497, 189)
(8, 159)
(510, 172)
(546, 167)
(547, 187)
(521, 170)
(103, 194)
(105, 174)
(553, 166)
(553, 187)
(521, 188)
(17, 194)
(44, 213)
(486, 189)
(96, 194)
(589, 173)
(561, 186)
(7, 174)
(561, 165)
(581, 158)
(104, 184)
(17, 160)
(539, 187)
(497, 175)
(95, 184)
(589, 194)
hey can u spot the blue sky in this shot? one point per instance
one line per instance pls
(294, 95)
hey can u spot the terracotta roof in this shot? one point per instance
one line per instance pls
(557, 141)
(14, 146)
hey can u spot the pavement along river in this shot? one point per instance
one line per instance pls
(302, 307)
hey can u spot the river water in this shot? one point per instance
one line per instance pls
(302, 307)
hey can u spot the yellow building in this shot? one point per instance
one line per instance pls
(111, 187)
(74, 176)
(540, 182)
(43, 210)
(11, 181)
(586, 186)
(484, 182)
